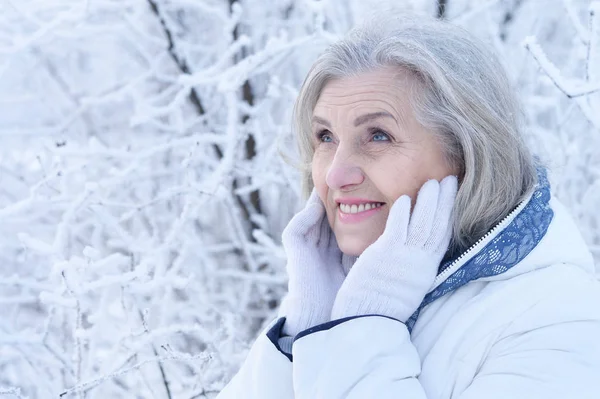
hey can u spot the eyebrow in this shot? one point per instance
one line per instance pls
(321, 121)
(373, 115)
(359, 120)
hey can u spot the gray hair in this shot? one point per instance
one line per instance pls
(463, 96)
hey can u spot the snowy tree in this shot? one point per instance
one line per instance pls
(142, 190)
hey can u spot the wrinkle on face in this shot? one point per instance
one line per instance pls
(353, 163)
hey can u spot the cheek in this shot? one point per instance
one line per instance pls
(397, 174)
(410, 171)
(316, 171)
(319, 173)
(319, 169)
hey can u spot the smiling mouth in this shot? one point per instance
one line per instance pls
(353, 209)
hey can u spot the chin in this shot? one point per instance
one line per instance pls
(353, 246)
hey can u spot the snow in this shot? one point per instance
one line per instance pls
(140, 249)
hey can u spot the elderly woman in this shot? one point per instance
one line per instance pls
(431, 260)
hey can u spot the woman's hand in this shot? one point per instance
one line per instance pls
(316, 268)
(393, 275)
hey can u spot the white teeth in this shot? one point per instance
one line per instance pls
(345, 208)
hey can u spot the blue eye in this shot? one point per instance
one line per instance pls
(324, 136)
(380, 136)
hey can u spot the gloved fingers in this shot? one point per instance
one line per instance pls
(396, 226)
(442, 226)
(321, 234)
(423, 215)
(314, 197)
(326, 235)
(347, 262)
(302, 225)
(328, 244)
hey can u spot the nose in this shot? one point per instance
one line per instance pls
(344, 172)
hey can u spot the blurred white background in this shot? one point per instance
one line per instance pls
(142, 196)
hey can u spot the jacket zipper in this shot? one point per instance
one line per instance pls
(483, 241)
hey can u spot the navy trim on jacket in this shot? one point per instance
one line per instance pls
(330, 324)
(275, 333)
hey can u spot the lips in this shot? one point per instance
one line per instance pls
(358, 216)
(347, 208)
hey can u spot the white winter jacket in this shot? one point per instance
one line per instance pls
(516, 316)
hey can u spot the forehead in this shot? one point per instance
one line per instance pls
(384, 89)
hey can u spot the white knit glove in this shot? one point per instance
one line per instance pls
(316, 268)
(393, 275)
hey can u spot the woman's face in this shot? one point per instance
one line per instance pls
(369, 149)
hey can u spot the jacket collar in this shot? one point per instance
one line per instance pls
(501, 249)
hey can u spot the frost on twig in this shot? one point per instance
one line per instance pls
(578, 89)
(139, 156)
